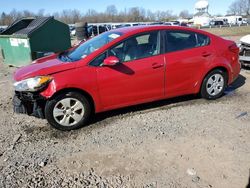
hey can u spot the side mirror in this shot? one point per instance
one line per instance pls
(111, 61)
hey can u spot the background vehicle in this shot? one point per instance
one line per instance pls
(174, 23)
(245, 51)
(125, 67)
(214, 23)
(231, 20)
(72, 30)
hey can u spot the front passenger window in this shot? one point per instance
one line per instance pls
(98, 61)
(137, 47)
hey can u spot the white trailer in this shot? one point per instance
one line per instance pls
(231, 20)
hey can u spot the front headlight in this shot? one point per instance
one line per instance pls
(32, 84)
(241, 47)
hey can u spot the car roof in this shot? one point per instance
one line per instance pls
(141, 29)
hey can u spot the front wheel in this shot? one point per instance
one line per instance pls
(214, 85)
(68, 111)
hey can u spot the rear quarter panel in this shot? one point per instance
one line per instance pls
(227, 58)
(221, 58)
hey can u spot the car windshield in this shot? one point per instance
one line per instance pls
(89, 46)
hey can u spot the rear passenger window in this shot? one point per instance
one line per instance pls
(182, 40)
(203, 40)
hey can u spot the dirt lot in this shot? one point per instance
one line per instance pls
(183, 142)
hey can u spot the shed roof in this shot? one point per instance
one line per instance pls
(34, 25)
(26, 26)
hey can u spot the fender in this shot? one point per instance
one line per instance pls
(85, 83)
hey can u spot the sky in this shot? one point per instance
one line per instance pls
(51, 6)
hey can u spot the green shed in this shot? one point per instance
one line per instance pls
(30, 38)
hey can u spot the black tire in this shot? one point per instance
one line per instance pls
(204, 88)
(50, 105)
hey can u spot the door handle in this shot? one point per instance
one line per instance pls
(206, 54)
(157, 65)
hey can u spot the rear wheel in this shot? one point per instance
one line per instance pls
(68, 111)
(214, 85)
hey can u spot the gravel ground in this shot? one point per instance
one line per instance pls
(183, 142)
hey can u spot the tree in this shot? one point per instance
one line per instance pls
(134, 14)
(76, 16)
(3, 16)
(239, 7)
(164, 15)
(247, 7)
(111, 10)
(27, 13)
(40, 13)
(185, 14)
(111, 14)
(150, 16)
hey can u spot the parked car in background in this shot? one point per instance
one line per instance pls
(174, 23)
(217, 23)
(245, 51)
(73, 32)
(157, 23)
(2, 28)
(125, 67)
(231, 20)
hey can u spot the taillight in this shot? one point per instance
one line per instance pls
(234, 48)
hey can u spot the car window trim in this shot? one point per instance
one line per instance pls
(135, 35)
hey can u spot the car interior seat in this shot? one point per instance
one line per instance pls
(152, 40)
(130, 49)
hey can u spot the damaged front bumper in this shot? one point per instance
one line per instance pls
(29, 103)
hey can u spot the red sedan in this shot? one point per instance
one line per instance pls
(125, 67)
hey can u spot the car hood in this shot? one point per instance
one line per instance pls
(245, 39)
(43, 66)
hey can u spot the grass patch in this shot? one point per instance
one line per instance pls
(229, 31)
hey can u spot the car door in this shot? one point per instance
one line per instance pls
(187, 54)
(139, 77)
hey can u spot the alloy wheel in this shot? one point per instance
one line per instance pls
(215, 84)
(68, 111)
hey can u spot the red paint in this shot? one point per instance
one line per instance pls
(110, 61)
(143, 80)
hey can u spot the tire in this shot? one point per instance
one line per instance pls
(214, 85)
(68, 111)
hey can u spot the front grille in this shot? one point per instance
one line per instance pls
(28, 96)
(247, 52)
(245, 49)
